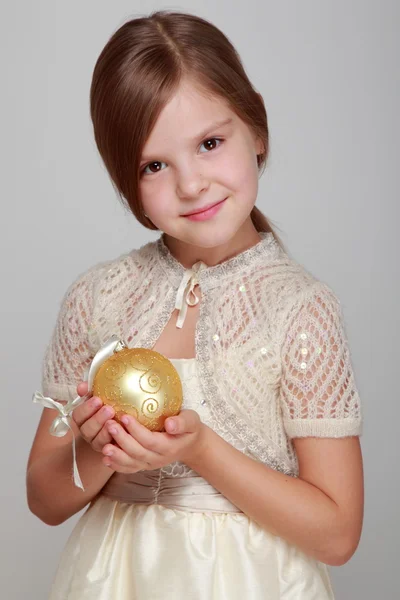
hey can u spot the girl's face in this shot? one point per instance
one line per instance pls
(200, 153)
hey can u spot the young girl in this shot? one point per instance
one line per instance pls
(256, 486)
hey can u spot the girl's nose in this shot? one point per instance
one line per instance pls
(191, 183)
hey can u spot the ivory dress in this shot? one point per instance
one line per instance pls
(169, 535)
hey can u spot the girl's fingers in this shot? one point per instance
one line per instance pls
(150, 440)
(86, 410)
(102, 438)
(91, 427)
(188, 421)
(120, 461)
(82, 388)
(130, 445)
(116, 455)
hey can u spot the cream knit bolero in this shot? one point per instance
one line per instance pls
(272, 353)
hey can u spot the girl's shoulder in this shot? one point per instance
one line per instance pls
(286, 281)
(106, 274)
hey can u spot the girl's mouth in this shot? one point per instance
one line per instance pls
(206, 214)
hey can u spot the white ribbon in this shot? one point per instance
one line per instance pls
(62, 423)
(186, 288)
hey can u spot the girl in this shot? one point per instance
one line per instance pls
(256, 486)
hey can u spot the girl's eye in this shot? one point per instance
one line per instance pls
(210, 143)
(155, 166)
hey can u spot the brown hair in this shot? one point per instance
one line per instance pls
(138, 72)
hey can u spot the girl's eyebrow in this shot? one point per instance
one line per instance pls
(213, 126)
(203, 133)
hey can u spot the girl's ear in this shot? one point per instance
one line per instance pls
(260, 148)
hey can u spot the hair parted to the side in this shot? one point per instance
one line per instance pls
(138, 72)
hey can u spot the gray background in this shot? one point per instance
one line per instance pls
(328, 71)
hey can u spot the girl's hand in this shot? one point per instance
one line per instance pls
(91, 417)
(140, 449)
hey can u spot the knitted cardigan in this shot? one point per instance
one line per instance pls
(271, 348)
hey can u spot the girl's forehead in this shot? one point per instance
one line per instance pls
(190, 95)
(189, 115)
(189, 112)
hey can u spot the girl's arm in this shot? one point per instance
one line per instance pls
(51, 492)
(321, 511)
(52, 495)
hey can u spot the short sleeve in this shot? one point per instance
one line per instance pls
(319, 397)
(68, 354)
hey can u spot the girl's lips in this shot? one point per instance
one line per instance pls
(206, 214)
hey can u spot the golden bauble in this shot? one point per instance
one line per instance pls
(142, 383)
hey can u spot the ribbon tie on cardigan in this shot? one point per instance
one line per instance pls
(185, 290)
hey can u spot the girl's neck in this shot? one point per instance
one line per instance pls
(188, 254)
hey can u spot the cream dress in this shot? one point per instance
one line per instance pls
(169, 535)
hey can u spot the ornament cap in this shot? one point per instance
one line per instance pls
(120, 346)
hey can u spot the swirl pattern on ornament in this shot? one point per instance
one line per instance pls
(150, 407)
(150, 382)
(113, 393)
(140, 362)
(115, 370)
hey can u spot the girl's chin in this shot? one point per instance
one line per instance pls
(210, 238)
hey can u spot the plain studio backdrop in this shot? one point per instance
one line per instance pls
(328, 72)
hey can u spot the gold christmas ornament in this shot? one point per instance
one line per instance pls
(134, 381)
(142, 383)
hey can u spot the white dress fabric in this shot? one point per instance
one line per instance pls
(169, 535)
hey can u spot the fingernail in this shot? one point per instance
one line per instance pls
(97, 402)
(108, 452)
(108, 411)
(125, 420)
(172, 425)
(112, 430)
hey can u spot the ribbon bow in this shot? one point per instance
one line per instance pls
(186, 288)
(62, 423)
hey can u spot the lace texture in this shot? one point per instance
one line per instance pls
(70, 351)
(250, 356)
(318, 391)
